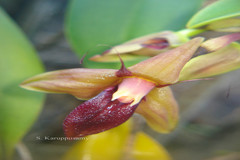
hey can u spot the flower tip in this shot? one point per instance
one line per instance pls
(34, 83)
(26, 84)
(29, 86)
(95, 58)
(215, 44)
(23, 85)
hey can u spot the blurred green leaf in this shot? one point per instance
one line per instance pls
(90, 23)
(220, 10)
(18, 107)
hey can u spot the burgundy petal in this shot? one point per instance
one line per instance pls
(97, 114)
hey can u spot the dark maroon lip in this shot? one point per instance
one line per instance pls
(97, 114)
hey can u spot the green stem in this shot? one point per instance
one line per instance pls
(190, 32)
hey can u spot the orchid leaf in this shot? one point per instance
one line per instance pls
(215, 63)
(107, 145)
(220, 10)
(18, 107)
(91, 23)
(160, 110)
(145, 147)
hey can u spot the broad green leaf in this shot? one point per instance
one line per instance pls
(217, 11)
(18, 107)
(90, 23)
(144, 147)
(108, 145)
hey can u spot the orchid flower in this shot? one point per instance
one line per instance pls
(148, 45)
(142, 88)
(157, 43)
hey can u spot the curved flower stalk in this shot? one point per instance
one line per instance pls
(143, 88)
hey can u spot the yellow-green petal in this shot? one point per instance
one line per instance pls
(160, 110)
(144, 147)
(82, 83)
(108, 145)
(165, 68)
(219, 62)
